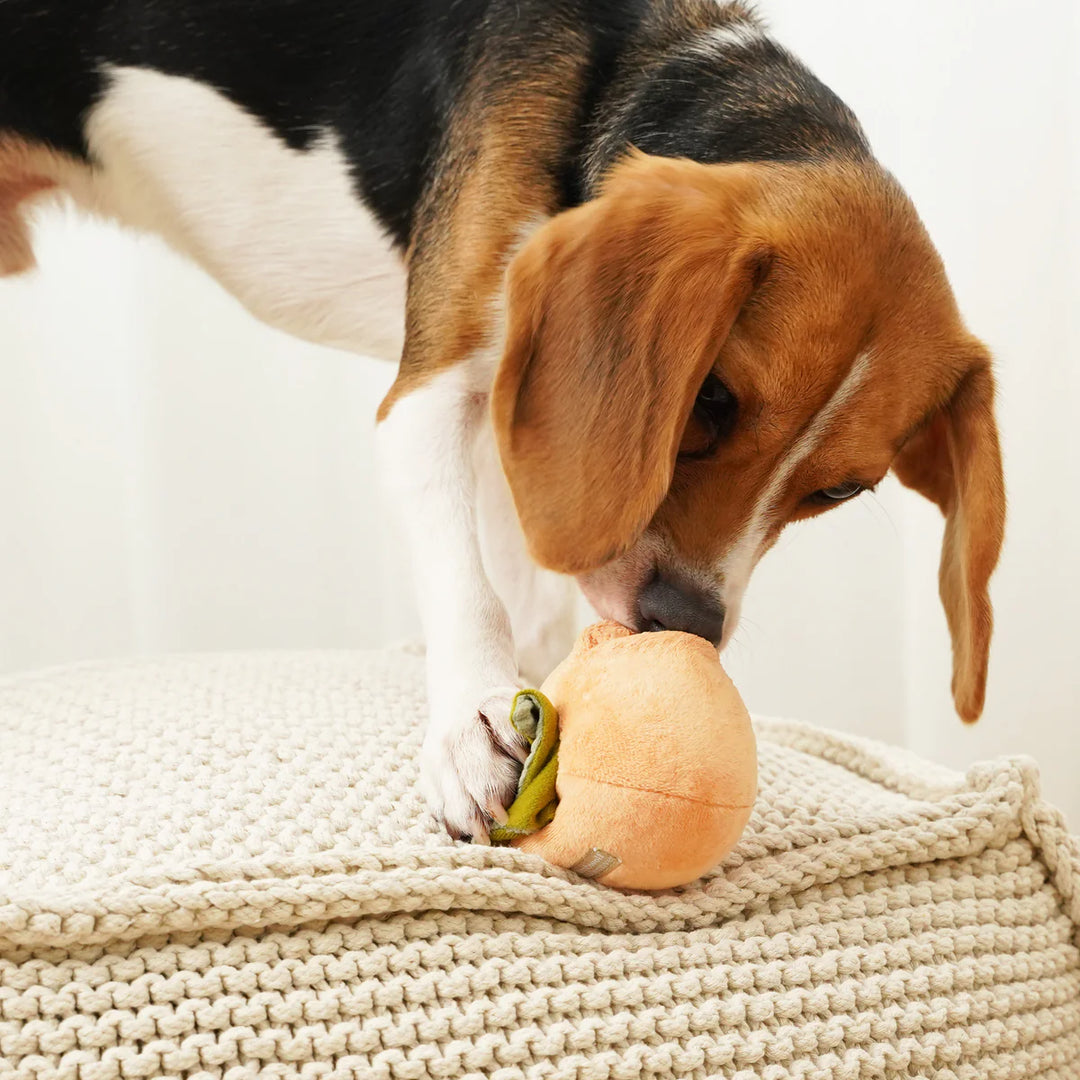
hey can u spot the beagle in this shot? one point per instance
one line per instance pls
(652, 296)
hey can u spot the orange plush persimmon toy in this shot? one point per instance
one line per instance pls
(646, 777)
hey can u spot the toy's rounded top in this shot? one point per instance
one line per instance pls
(598, 633)
(602, 632)
(652, 712)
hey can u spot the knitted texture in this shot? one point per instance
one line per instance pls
(221, 867)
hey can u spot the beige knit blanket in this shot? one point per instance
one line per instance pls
(220, 867)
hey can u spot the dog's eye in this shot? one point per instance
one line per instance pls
(716, 408)
(847, 490)
(714, 394)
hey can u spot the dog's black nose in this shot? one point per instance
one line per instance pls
(664, 605)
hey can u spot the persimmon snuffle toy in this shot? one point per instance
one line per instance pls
(643, 768)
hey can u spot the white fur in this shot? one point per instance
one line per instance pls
(733, 35)
(284, 230)
(488, 611)
(742, 557)
(540, 603)
(426, 445)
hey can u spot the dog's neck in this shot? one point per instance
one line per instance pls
(705, 84)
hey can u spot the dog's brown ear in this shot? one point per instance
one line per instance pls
(955, 461)
(617, 311)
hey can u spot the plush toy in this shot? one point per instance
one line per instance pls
(643, 768)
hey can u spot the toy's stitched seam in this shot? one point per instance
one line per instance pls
(666, 794)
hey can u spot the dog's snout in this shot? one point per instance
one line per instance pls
(666, 605)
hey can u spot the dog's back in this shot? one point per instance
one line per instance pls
(283, 146)
(406, 90)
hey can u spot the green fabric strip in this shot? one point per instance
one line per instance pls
(535, 718)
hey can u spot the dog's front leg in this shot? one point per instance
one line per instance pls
(471, 756)
(541, 604)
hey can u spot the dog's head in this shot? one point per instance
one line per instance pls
(706, 353)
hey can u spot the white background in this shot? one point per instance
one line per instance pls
(175, 476)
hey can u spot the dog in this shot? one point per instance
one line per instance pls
(652, 296)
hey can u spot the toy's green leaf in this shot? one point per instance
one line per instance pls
(535, 717)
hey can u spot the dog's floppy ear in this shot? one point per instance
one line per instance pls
(955, 461)
(616, 313)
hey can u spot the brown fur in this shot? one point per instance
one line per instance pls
(25, 171)
(617, 311)
(497, 179)
(955, 461)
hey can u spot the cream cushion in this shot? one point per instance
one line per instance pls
(220, 867)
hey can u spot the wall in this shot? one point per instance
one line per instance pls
(177, 476)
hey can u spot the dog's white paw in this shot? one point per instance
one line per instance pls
(470, 762)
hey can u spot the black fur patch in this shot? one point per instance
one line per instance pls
(609, 26)
(47, 71)
(383, 74)
(752, 102)
(386, 76)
